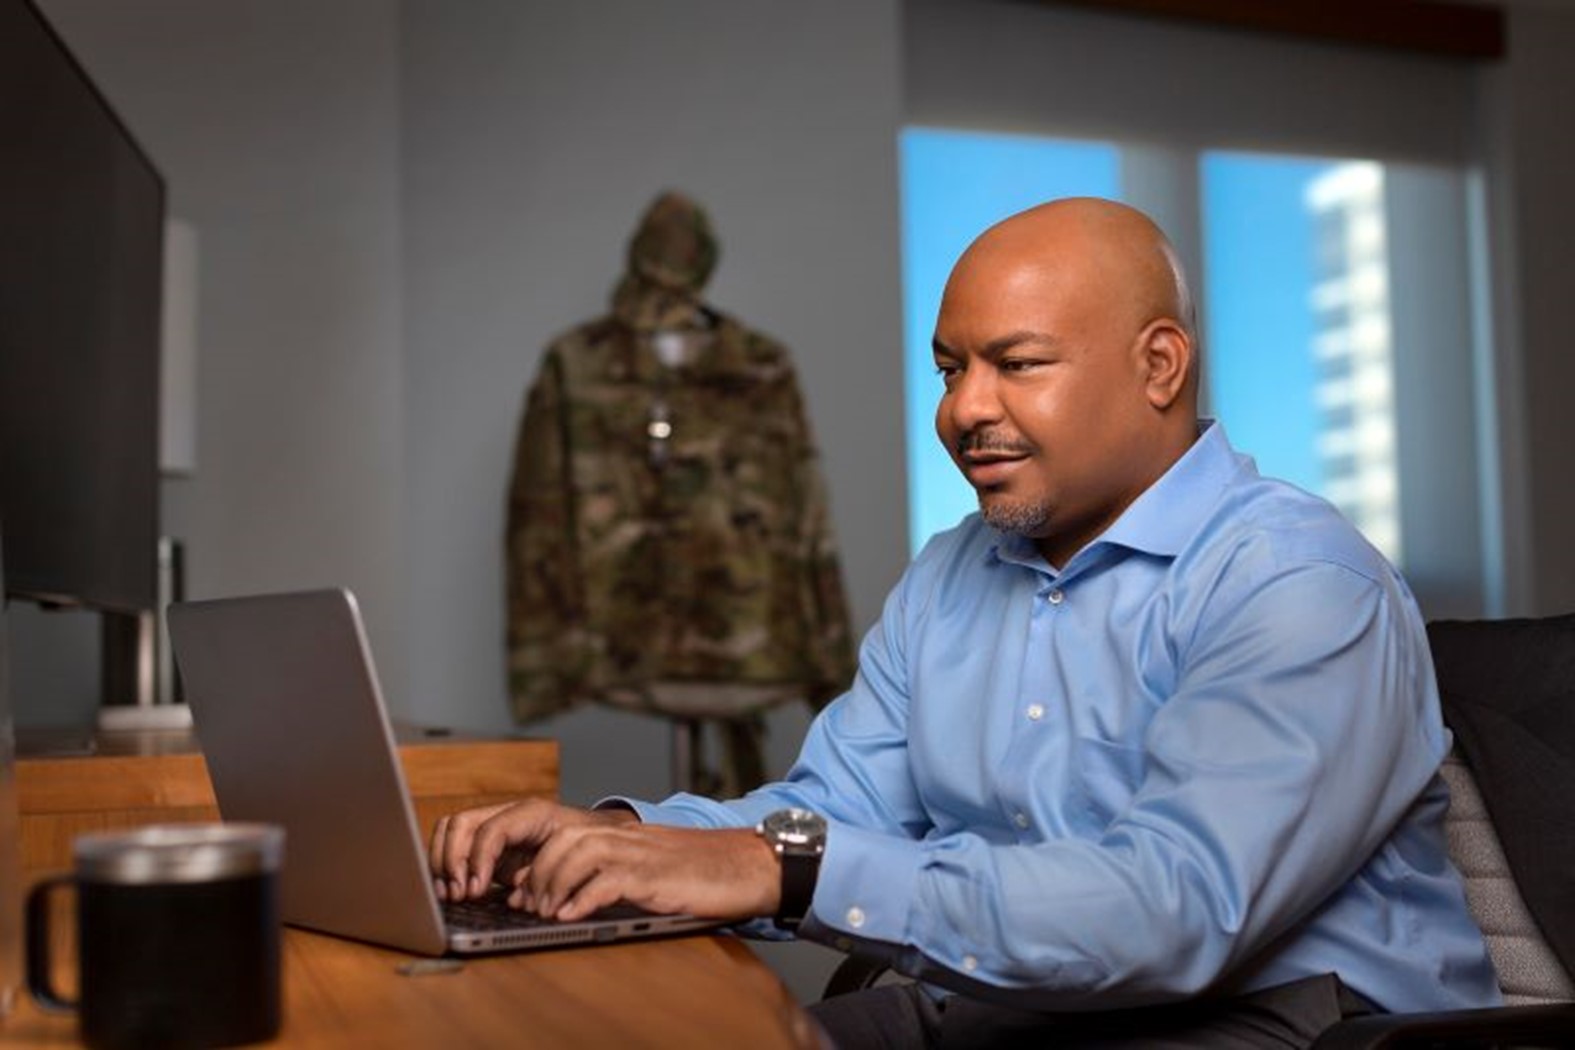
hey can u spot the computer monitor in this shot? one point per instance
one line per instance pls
(82, 224)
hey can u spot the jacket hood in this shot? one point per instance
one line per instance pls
(671, 256)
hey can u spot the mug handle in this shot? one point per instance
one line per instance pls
(38, 957)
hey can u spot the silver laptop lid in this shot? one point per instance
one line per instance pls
(293, 727)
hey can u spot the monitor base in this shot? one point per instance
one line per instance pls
(118, 717)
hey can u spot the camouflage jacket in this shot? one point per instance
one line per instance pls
(669, 546)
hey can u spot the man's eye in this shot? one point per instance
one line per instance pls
(947, 372)
(1018, 364)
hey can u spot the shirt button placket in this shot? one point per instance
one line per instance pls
(1035, 712)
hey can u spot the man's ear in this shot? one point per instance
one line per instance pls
(1167, 361)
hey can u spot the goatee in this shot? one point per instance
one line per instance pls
(1021, 519)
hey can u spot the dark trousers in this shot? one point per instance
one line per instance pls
(903, 1016)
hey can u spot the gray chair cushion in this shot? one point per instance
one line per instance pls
(1528, 971)
(1508, 690)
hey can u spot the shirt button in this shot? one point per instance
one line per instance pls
(1036, 712)
(970, 963)
(1057, 596)
(855, 917)
(1020, 819)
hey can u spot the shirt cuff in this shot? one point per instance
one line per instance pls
(682, 811)
(648, 813)
(867, 884)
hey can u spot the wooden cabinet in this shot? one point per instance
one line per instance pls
(134, 779)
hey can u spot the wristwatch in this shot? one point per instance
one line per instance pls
(799, 838)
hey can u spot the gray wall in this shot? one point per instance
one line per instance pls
(276, 125)
(1527, 111)
(398, 205)
(534, 135)
(1085, 73)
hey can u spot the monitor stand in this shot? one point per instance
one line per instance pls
(139, 689)
(143, 717)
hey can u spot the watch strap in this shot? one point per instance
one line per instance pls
(799, 871)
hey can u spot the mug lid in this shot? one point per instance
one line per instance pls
(179, 853)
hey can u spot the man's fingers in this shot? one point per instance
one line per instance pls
(472, 848)
(511, 867)
(451, 848)
(565, 862)
(435, 852)
(510, 837)
(601, 890)
(579, 867)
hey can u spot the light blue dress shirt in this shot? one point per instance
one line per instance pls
(1201, 756)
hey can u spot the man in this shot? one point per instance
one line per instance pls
(1143, 754)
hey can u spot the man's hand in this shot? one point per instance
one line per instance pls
(472, 848)
(726, 874)
(565, 863)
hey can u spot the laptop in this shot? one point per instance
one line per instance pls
(286, 704)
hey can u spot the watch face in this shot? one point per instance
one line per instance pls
(795, 826)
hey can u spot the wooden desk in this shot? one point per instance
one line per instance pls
(684, 991)
(679, 992)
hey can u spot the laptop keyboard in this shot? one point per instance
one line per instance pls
(492, 912)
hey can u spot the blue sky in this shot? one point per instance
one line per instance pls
(1258, 268)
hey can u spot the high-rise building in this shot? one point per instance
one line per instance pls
(1352, 350)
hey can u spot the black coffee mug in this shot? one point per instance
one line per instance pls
(177, 936)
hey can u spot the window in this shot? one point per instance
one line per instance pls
(1297, 328)
(1313, 363)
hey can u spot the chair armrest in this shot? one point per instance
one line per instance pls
(854, 974)
(1552, 1025)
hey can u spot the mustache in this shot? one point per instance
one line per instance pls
(990, 441)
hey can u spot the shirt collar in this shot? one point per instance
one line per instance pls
(1169, 512)
(1164, 518)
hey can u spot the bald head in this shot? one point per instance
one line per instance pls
(1123, 261)
(1065, 340)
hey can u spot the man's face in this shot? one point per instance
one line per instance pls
(1044, 409)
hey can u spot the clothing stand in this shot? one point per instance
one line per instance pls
(686, 749)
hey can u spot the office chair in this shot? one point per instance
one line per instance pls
(1508, 691)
